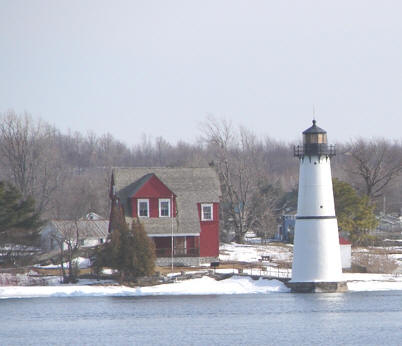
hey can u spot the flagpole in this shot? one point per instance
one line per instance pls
(172, 245)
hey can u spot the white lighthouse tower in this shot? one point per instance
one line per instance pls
(316, 258)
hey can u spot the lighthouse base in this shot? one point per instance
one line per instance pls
(317, 287)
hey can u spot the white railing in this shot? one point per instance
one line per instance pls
(270, 272)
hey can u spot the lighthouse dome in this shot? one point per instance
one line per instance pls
(314, 143)
(314, 135)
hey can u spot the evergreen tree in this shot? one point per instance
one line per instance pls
(143, 260)
(355, 214)
(130, 251)
(18, 218)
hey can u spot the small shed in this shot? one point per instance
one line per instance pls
(346, 253)
(87, 233)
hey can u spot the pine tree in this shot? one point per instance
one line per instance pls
(143, 260)
(18, 218)
(130, 251)
(355, 214)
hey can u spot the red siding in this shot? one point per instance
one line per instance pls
(209, 238)
(153, 190)
(343, 241)
(153, 206)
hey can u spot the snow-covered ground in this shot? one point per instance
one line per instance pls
(253, 253)
(372, 282)
(201, 286)
(81, 262)
(279, 255)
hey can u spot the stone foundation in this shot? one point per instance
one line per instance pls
(317, 287)
(178, 261)
(208, 260)
(184, 261)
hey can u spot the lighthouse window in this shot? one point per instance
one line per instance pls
(312, 138)
(322, 138)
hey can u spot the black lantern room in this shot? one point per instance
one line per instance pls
(314, 143)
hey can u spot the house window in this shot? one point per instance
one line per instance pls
(143, 207)
(164, 208)
(180, 246)
(207, 212)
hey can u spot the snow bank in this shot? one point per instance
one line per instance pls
(202, 286)
(207, 285)
(372, 282)
(374, 286)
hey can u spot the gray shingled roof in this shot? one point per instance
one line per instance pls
(86, 228)
(190, 185)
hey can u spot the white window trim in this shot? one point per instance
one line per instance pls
(160, 209)
(138, 206)
(202, 211)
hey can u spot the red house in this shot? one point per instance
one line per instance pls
(178, 206)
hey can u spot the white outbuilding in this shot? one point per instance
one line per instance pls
(346, 253)
(86, 233)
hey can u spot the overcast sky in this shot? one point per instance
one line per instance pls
(160, 67)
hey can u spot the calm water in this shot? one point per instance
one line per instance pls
(363, 318)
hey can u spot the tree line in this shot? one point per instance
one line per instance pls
(67, 174)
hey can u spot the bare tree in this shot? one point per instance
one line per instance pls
(68, 240)
(80, 194)
(239, 163)
(29, 151)
(376, 163)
